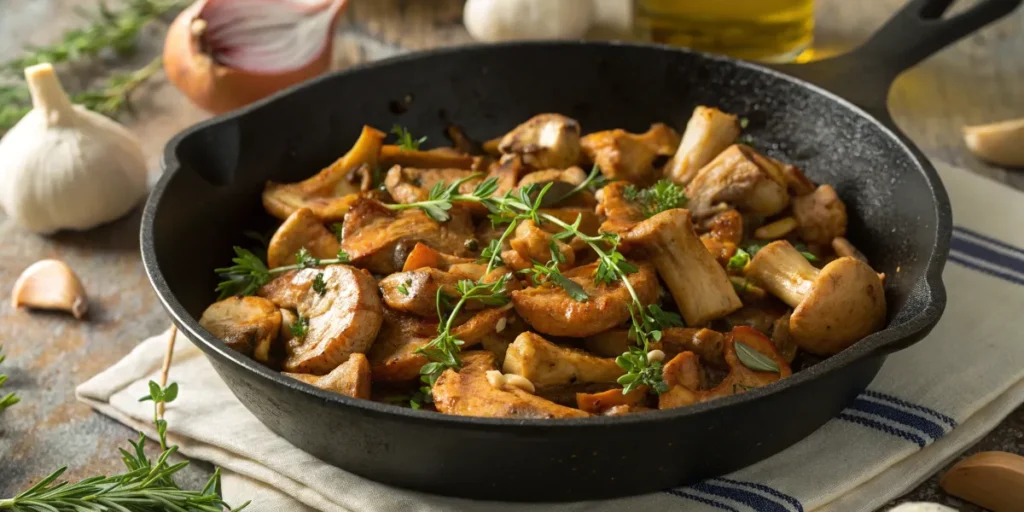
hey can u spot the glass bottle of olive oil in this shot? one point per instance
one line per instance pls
(768, 30)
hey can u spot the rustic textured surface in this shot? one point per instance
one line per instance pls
(971, 82)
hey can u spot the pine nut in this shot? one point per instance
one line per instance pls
(496, 379)
(655, 355)
(500, 326)
(518, 381)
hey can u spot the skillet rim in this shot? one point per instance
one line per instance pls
(879, 343)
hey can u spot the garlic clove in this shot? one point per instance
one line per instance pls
(50, 284)
(508, 20)
(999, 143)
(921, 506)
(992, 480)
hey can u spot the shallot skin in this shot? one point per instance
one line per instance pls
(217, 88)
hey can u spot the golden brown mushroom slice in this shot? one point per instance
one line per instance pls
(820, 215)
(550, 310)
(330, 193)
(627, 156)
(613, 399)
(248, 325)
(302, 229)
(698, 284)
(723, 236)
(705, 343)
(546, 364)
(391, 155)
(423, 256)
(545, 141)
(341, 321)
(411, 185)
(378, 239)
(351, 378)
(707, 134)
(467, 392)
(741, 177)
(394, 355)
(530, 244)
(620, 213)
(834, 306)
(682, 373)
(416, 291)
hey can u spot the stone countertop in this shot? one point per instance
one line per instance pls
(974, 81)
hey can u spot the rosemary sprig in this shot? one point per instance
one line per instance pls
(145, 485)
(249, 272)
(10, 398)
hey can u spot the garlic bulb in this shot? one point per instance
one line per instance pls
(505, 20)
(65, 167)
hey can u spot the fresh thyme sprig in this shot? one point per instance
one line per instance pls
(145, 485)
(663, 195)
(612, 267)
(10, 398)
(405, 140)
(300, 326)
(249, 272)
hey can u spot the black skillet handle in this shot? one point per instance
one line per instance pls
(917, 31)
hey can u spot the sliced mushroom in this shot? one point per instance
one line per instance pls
(626, 156)
(546, 364)
(741, 177)
(796, 181)
(416, 291)
(302, 229)
(342, 320)
(411, 185)
(378, 239)
(423, 256)
(698, 284)
(603, 402)
(351, 378)
(590, 223)
(468, 393)
(843, 247)
(999, 143)
(50, 284)
(707, 134)
(248, 325)
(621, 213)
(682, 373)
(550, 310)
(545, 141)
(724, 234)
(564, 182)
(704, 342)
(783, 341)
(532, 244)
(329, 194)
(391, 155)
(394, 355)
(834, 307)
(821, 216)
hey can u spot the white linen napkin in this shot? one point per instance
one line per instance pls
(929, 403)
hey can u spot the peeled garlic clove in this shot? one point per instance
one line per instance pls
(920, 506)
(50, 284)
(992, 480)
(999, 143)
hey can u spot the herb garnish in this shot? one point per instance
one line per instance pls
(403, 288)
(319, 285)
(300, 326)
(549, 273)
(753, 359)
(802, 249)
(249, 272)
(10, 398)
(663, 195)
(739, 260)
(338, 229)
(405, 140)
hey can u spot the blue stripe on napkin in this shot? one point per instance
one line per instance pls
(882, 427)
(962, 231)
(903, 403)
(919, 423)
(748, 498)
(700, 499)
(987, 255)
(799, 507)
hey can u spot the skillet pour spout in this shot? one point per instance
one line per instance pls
(899, 217)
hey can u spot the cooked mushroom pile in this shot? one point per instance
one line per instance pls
(502, 279)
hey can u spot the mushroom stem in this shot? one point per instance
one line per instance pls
(698, 284)
(779, 268)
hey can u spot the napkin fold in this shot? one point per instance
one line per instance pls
(928, 403)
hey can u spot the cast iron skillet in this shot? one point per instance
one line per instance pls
(899, 216)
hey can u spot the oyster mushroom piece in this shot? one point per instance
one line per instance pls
(674, 340)
(530, 244)
(411, 185)
(50, 284)
(342, 321)
(248, 325)
(697, 282)
(391, 155)
(545, 364)
(379, 239)
(545, 141)
(626, 156)
(302, 229)
(423, 256)
(467, 392)
(707, 134)
(820, 215)
(416, 291)
(742, 177)
(833, 307)
(329, 193)
(605, 401)
(351, 378)
(682, 373)
(550, 309)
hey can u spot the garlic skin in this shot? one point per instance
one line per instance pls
(508, 20)
(65, 167)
